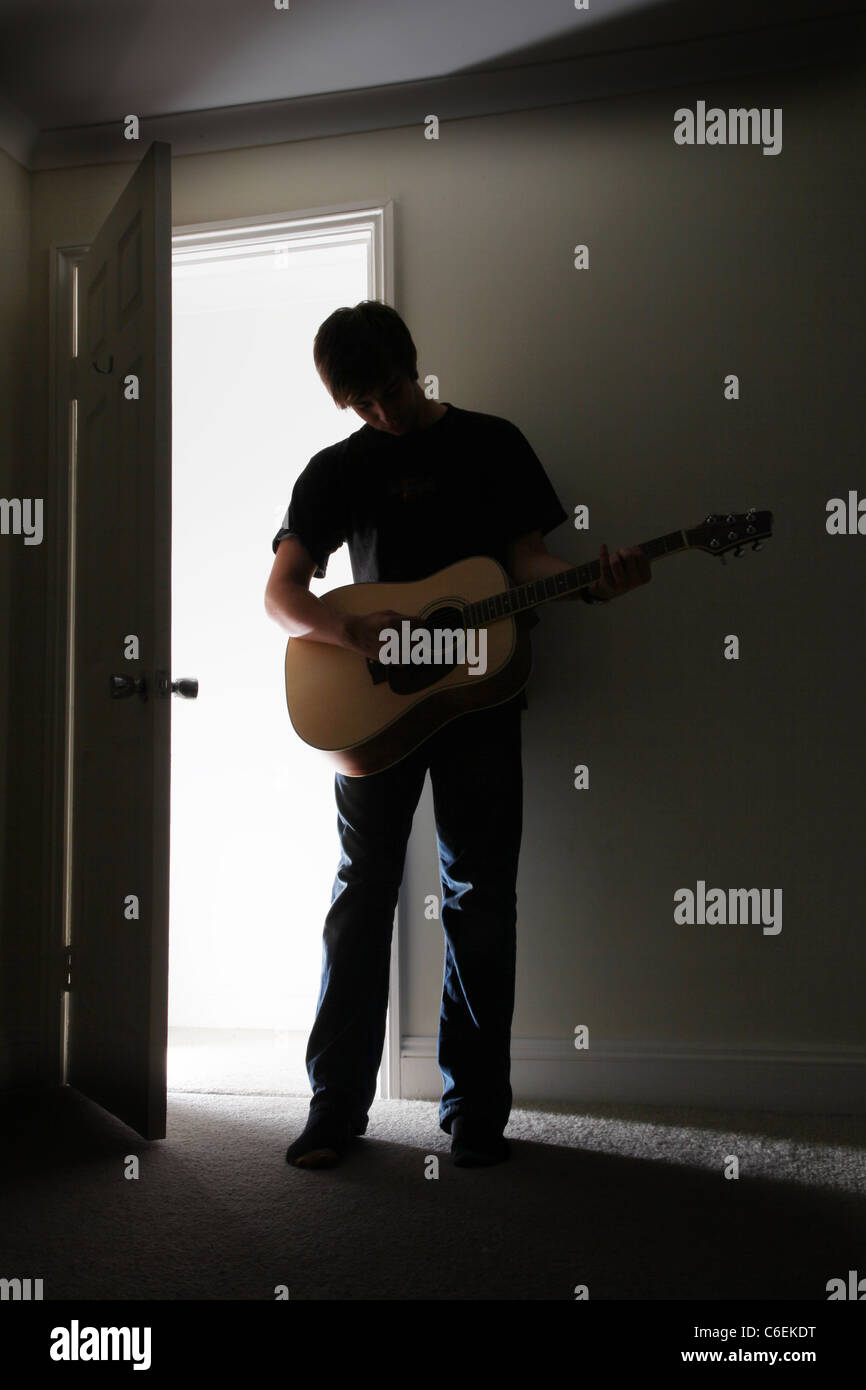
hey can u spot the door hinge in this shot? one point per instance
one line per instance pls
(67, 969)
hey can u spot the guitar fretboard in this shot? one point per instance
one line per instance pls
(524, 596)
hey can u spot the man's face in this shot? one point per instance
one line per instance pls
(392, 408)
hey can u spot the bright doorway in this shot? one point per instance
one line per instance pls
(254, 842)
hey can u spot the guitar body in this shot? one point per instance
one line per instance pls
(339, 704)
(367, 715)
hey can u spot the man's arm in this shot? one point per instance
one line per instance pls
(289, 602)
(625, 569)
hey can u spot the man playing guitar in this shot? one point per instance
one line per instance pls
(420, 486)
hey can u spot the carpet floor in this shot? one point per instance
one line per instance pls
(632, 1203)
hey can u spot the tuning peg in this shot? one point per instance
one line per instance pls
(738, 552)
(756, 545)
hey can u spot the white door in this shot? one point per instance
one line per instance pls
(118, 979)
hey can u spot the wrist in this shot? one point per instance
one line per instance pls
(345, 634)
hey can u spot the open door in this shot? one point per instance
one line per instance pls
(121, 640)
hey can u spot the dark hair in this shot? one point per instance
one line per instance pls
(358, 350)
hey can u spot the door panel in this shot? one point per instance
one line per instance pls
(118, 1001)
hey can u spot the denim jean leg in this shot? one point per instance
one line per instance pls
(345, 1046)
(478, 794)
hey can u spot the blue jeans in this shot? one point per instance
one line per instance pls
(476, 775)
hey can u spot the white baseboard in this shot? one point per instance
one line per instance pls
(815, 1080)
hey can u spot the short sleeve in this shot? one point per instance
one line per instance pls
(316, 514)
(528, 500)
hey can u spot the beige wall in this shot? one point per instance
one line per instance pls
(703, 262)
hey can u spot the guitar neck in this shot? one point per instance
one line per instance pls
(554, 586)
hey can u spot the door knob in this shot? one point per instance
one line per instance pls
(185, 686)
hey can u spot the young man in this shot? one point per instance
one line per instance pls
(422, 485)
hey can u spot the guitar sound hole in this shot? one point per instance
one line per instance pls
(424, 661)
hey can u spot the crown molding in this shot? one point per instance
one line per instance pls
(456, 97)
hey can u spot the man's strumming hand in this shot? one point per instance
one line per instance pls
(361, 630)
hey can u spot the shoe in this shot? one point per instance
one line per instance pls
(475, 1145)
(322, 1144)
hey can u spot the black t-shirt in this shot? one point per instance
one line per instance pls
(408, 505)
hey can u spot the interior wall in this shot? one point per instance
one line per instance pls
(15, 182)
(703, 262)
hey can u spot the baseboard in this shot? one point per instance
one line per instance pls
(815, 1080)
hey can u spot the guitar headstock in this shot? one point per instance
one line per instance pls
(720, 532)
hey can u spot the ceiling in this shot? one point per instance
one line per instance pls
(71, 65)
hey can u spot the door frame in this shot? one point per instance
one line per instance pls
(64, 258)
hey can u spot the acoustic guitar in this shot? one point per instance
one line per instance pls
(467, 648)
